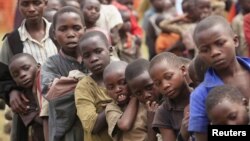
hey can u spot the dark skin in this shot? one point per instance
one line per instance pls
(114, 79)
(67, 32)
(32, 10)
(217, 49)
(143, 88)
(96, 57)
(170, 80)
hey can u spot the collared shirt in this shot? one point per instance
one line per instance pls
(198, 121)
(39, 50)
(169, 115)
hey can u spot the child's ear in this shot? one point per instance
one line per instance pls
(245, 101)
(183, 70)
(111, 49)
(236, 40)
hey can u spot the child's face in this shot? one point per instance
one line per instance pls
(169, 79)
(126, 26)
(128, 3)
(143, 87)
(91, 11)
(95, 54)
(203, 8)
(116, 86)
(216, 46)
(32, 10)
(68, 30)
(229, 113)
(23, 71)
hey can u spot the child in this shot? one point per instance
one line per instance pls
(129, 49)
(143, 88)
(68, 27)
(91, 11)
(194, 10)
(122, 115)
(168, 74)
(225, 105)
(23, 68)
(165, 39)
(216, 43)
(73, 3)
(31, 37)
(91, 96)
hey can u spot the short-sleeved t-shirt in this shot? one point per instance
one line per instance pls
(168, 115)
(139, 130)
(198, 120)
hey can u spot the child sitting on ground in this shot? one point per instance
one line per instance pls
(24, 68)
(91, 95)
(169, 75)
(225, 105)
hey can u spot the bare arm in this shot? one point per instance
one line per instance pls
(200, 136)
(100, 123)
(125, 123)
(151, 108)
(167, 134)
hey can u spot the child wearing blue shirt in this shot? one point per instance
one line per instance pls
(216, 43)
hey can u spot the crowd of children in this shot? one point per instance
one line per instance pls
(74, 71)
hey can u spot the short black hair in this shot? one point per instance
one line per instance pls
(67, 9)
(169, 57)
(82, 3)
(210, 22)
(200, 68)
(114, 66)
(136, 68)
(20, 55)
(220, 93)
(94, 33)
(185, 60)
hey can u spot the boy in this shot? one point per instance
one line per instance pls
(142, 87)
(68, 27)
(122, 115)
(216, 43)
(91, 95)
(169, 75)
(23, 69)
(225, 105)
(31, 37)
(128, 49)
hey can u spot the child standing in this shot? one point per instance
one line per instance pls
(129, 49)
(68, 27)
(23, 68)
(122, 114)
(225, 105)
(142, 87)
(216, 43)
(168, 73)
(91, 96)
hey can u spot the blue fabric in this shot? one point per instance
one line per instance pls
(198, 117)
